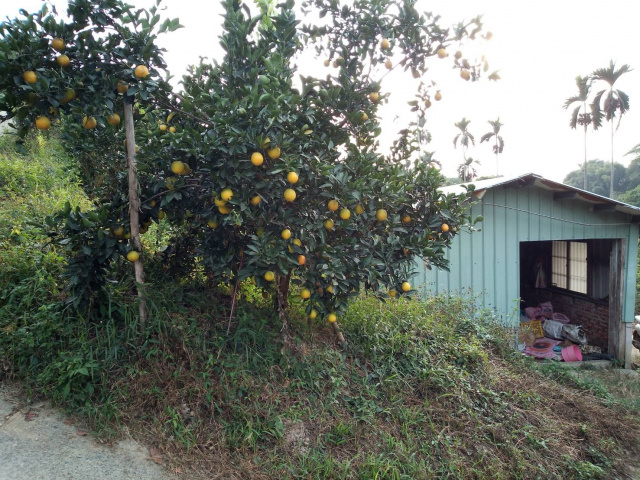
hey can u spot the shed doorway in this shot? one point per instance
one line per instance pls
(581, 280)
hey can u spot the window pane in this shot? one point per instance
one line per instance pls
(559, 264)
(578, 267)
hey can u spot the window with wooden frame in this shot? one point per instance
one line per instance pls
(569, 266)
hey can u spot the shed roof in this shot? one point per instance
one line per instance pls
(561, 191)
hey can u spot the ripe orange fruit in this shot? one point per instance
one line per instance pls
(43, 123)
(113, 119)
(63, 60)
(302, 259)
(406, 219)
(388, 65)
(133, 256)
(292, 177)
(444, 227)
(161, 215)
(89, 122)
(224, 210)
(374, 97)
(415, 73)
(406, 286)
(269, 276)
(359, 209)
(162, 127)
(177, 167)
(58, 44)
(438, 96)
(257, 158)
(464, 74)
(458, 55)
(69, 95)
(381, 215)
(305, 293)
(313, 314)
(333, 205)
(141, 71)
(384, 44)
(286, 234)
(122, 87)
(327, 62)
(226, 194)
(427, 103)
(30, 76)
(255, 200)
(212, 224)
(296, 241)
(345, 214)
(364, 117)
(328, 224)
(274, 153)
(289, 194)
(172, 129)
(332, 317)
(442, 53)
(392, 293)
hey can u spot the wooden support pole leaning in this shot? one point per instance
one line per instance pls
(134, 206)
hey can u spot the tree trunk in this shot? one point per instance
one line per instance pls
(585, 157)
(338, 333)
(611, 192)
(282, 293)
(134, 207)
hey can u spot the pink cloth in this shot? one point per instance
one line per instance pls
(559, 317)
(542, 348)
(532, 312)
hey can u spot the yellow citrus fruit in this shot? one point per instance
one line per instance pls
(259, 231)
(292, 177)
(333, 205)
(226, 194)
(141, 71)
(384, 44)
(161, 215)
(118, 231)
(464, 74)
(274, 153)
(58, 44)
(381, 215)
(406, 286)
(122, 87)
(345, 214)
(327, 62)
(313, 314)
(133, 256)
(225, 210)
(302, 259)
(444, 227)
(30, 76)
(296, 241)
(332, 318)
(69, 95)
(113, 119)
(374, 97)
(289, 194)
(438, 96)
(162, 127)
(305, 293)
(329, 289)
(427, 103)
(269, 276)
(255, 200)
(43, 123)
(219, 202)
(388, 65)
(172, 129)
(286, 234)
(415, 73)
(177, 167)
(212, 224)
(442, 53)
(364, 117)
(257, 158)
(359, 209)
(406, 219)
(89, 122)
(63, 60)
(128, 235)
(392, 293)
(187, 169)
(458, 55)
(328, 224)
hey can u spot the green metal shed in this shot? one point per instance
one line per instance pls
(542, 241)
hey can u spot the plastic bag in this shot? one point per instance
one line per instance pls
(575, 333)
(553, 329)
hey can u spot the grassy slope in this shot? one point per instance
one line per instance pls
(423, 389)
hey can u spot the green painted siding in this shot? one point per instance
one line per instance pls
(487, 262)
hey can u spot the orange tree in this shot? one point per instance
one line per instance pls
(273, 177)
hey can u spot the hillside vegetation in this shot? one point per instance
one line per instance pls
(422, 389)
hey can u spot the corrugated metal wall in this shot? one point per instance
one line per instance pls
(486, 262)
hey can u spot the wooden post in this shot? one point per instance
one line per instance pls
(134, 206)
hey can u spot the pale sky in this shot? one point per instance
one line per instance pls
(538, 47)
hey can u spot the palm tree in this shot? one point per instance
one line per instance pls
(577, 118)
(464, 138)
(615, 102)
(498, 146)
(466, 170)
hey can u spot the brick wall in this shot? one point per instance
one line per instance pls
(593, 317)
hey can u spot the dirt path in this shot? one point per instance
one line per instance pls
(36, 443)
